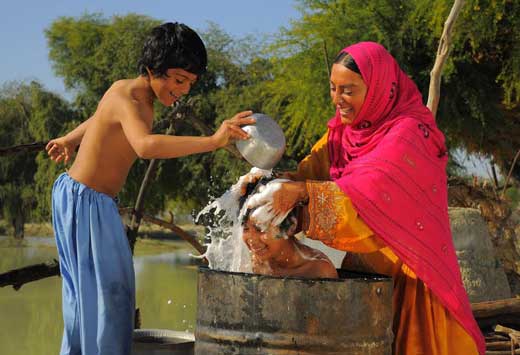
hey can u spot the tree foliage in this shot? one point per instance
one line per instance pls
(479, 108)
(286, 78)
(28, 113)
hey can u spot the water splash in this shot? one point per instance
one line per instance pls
(226, 250)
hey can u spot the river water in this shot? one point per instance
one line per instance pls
(31, 321)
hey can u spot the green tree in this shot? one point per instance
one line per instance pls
(28, 113)
(480, 89)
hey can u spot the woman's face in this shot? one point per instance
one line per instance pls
(264, 245)
(348, 91)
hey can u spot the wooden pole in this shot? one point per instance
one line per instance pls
(490, 313)
(442, 54)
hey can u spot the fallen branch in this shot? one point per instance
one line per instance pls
(18, 277)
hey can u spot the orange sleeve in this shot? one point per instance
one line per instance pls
(335, 222)
(314, 166)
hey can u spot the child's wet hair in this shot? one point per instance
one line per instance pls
(251, 189)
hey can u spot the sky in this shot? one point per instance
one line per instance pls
(23, 47)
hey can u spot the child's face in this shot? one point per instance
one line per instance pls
(264, 245)
(170, 88)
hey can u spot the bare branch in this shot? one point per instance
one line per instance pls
(510, 172)
(31, 147)
(326, 54)
(168, 225)
(442, 54)
(177, 230)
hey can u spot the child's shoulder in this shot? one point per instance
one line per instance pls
(122, 94)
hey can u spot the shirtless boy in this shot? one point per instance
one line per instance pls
(95, 259)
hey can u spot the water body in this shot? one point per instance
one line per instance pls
(31, 320)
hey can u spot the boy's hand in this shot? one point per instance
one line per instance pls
(60, 149)
(230, 129)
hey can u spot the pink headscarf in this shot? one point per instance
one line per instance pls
(391, 161)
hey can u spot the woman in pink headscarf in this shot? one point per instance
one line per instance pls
(375, 184)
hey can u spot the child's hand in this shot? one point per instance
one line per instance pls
(60, 149)
(230, 129)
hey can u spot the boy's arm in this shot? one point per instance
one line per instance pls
(63, 148)
(160, 146)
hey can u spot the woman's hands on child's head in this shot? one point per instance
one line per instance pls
(60, 149)
(278, 198)
(230, 129)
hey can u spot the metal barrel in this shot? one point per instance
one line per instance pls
(162, 342)
(246, 314)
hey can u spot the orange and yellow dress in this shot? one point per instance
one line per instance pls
(422, 325)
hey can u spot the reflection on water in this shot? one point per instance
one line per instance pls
(30, 319)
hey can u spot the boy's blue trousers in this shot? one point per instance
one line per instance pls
(97, 271)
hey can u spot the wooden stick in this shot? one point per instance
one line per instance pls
(499, 345)
(505, 330)
(31, 147)
(510, 172)
(442, 54)
(18, 277)
(177, 230)
(326, 54)
(168, 225)
(503, 352)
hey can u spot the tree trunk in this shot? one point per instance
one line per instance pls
(18, 223)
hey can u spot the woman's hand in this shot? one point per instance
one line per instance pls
(251, 179)
(275, 201)
(230, 129)
(60, 149)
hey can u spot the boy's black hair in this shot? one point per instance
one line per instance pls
(173, 45)
(347, 61)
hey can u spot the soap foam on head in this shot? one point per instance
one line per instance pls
(226, 250)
